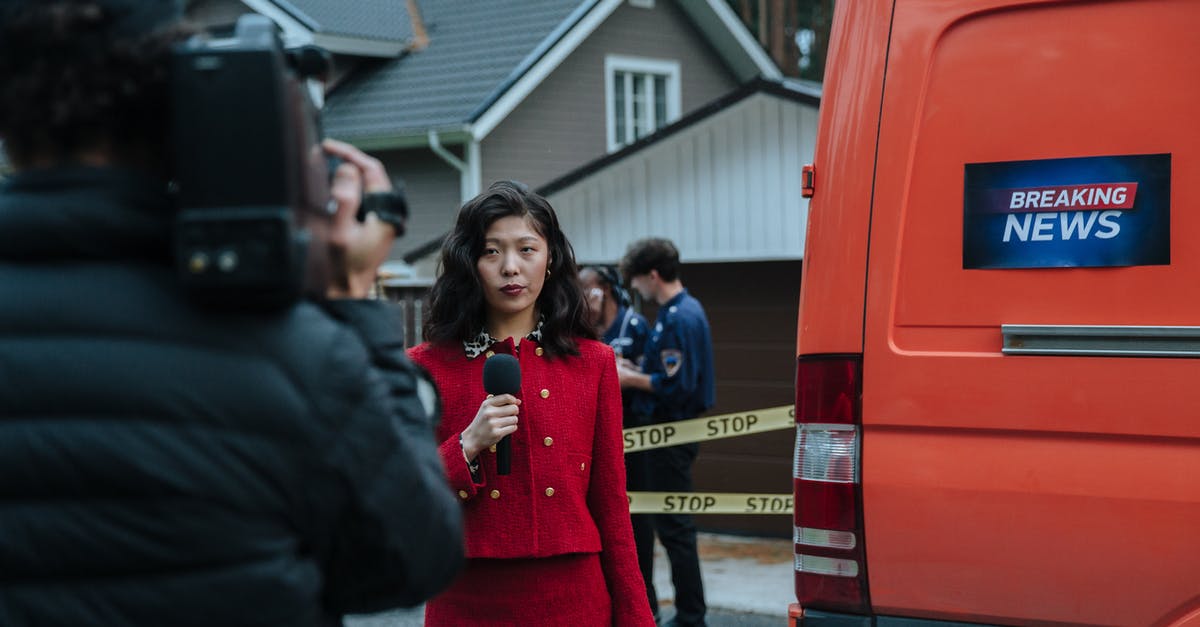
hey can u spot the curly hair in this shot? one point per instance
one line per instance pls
(610, 278)
(457, 309)
(84, 74)
(651, 253)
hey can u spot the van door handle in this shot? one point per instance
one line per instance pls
(1100, 340)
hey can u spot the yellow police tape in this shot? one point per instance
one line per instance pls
(709, 428)
(708, 503)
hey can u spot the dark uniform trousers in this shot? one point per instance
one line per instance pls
(668, 470)
(678, 357)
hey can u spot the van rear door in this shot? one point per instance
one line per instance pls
(1059, 482)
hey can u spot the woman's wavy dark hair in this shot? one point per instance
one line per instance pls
(78, 73)
(457, 308)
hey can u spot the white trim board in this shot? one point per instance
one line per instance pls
(639, 65)
(357, 46)
(524, 86)
(745, 39)
(295, 33)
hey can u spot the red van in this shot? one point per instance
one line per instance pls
(998, 390)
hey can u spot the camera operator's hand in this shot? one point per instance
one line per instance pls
(359, 246)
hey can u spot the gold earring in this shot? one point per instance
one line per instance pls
(547, 273)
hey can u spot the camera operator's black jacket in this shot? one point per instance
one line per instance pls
(160, 465)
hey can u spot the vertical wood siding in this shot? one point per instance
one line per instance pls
(724, 189)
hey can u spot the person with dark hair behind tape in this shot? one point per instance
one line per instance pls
(626, 331)
(677, 374)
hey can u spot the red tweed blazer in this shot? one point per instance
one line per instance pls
(566, 491)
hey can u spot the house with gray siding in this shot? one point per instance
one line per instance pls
(453, 95)
(531, 89)
(634, 117)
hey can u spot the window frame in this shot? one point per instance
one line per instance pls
(614, 63)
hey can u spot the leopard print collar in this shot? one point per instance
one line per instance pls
(480, 343)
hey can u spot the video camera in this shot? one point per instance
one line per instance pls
(251, 179)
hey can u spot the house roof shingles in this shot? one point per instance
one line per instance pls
(385, 20)
(474, 48)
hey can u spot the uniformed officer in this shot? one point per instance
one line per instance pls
(677, 373)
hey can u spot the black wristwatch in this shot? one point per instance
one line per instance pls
(389, 206)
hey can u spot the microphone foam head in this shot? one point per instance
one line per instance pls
(502, 374)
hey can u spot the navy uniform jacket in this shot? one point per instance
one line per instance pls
(679, 360)
(627, 336)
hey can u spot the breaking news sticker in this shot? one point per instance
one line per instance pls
(1084, 212)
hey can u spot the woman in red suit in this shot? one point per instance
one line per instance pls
(550, 543)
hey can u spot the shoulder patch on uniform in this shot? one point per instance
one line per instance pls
(672, 360)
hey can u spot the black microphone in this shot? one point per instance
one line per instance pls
(502, 375)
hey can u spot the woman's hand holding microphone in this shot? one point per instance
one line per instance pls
(496, 418)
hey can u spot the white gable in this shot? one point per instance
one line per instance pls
(726, 188)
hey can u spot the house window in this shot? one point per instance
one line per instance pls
(642, 97)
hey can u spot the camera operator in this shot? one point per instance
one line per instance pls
(163, 464)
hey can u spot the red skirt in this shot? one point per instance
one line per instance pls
(552, 591)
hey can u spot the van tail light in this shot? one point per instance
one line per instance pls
(830, 561)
